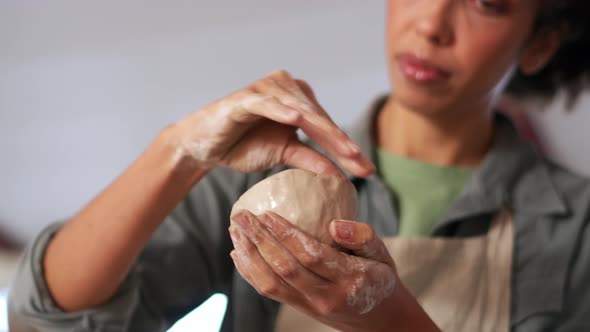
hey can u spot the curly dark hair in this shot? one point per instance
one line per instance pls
(569, 68)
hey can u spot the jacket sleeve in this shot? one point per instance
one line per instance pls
(185, 261)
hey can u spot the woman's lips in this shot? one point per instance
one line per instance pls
(420, 70)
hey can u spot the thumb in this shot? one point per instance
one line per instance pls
(361, 239)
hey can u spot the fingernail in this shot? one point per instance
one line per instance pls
(267, 221)
(235, 236)
(276, 227)
(271, 221)
(242, 221)
(354, 147)
(344, 230)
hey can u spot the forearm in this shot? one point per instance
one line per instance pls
(90, 256)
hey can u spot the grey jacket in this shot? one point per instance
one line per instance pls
(187, 260)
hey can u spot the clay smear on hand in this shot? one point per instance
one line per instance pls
(202, 135)
(365, 294)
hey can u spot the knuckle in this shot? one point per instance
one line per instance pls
(310, 260)
(242, 94)
(326, 307)
(286, 270)
(297, 104)
(309, 107)
(270, 98)
(296, 118)
(254, 99)
(258, 240)
(280, 73)
(259, 84)
(269, 289)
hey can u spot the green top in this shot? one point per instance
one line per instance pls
(424, 192)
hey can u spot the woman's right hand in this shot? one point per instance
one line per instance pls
(254, 129)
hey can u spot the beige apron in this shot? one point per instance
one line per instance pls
(463, 284)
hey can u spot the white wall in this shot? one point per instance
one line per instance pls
(566, 134)
(84, 86)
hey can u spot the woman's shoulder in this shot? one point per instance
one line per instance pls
(568, 241)
(573, 188)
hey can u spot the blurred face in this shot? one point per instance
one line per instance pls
(447, 55)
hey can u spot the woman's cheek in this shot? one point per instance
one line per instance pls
(490, 55)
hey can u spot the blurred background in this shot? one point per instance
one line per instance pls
(85, 86)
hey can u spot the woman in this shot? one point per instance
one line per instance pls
(132, 261)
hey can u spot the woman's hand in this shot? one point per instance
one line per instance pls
(359, 292)
(255, 129)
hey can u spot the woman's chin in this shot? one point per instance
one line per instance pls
(420, 103)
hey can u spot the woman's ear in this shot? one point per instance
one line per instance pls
(539, 51)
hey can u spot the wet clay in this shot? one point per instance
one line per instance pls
(308, 200)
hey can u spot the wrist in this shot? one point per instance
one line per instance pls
(405, 313)
(172, 154)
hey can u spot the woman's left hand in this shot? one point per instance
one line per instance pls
(359, 292)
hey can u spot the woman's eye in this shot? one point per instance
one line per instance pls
(491, 5)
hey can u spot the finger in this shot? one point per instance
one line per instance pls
(297, 87)
(262, 105)
(355, 163)
(281, 261)
(300, 155)
(252, 107)
(256, 271)
(302, 91)
(319, 128)
(259, 106)
(361, 239)
(308, 92)
(284, 79)
(317, 257)
(289, 94)
(240, 261)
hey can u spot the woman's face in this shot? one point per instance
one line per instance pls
(454, 54)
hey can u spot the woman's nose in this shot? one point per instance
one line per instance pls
(434, 22)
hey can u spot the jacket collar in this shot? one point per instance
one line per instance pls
(513, 175)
